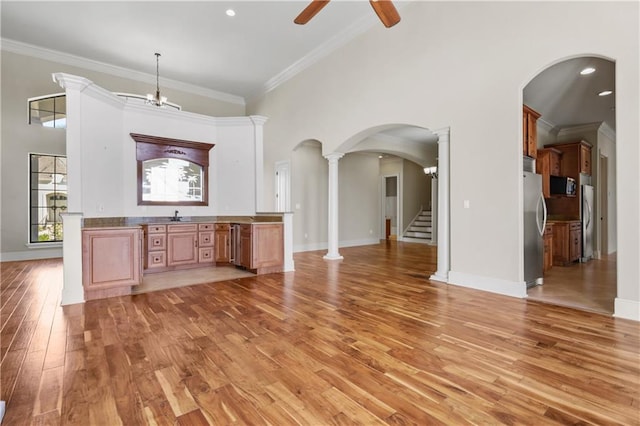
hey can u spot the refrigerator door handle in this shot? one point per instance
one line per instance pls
(544, 215)
(590, 213)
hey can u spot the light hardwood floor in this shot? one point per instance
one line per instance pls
(590, 285)
(367, 340)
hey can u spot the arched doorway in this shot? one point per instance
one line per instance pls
(576, 143)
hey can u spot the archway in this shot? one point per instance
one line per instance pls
(577, 126)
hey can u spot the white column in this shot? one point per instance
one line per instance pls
(434, 209)
(332, 253)
(442, 273)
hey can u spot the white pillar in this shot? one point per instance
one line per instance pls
(332, 253)
(442, 273)
(434, 209)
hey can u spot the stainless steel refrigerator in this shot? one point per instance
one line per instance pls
(535, 220)
(587, 222)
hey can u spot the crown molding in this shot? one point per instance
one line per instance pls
(606, 130)
(546, 125)
(78, 61)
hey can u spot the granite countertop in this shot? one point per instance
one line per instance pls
(136, 222)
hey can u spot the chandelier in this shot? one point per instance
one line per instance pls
(157, 100)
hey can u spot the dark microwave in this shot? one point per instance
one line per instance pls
(562, 185)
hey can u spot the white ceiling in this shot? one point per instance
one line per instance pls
(199, 43)
(254, 51)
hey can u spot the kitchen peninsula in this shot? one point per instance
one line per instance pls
(117, 252)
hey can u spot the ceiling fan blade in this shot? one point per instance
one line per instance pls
(310, 11)
(386, 11)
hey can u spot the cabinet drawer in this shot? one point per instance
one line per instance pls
(205, 254)
(154, 229)
(222, 226)
(156, 259)
(205, 239)
(548, 230)
(575, 226)
(156, 242)
(205, 227)
(191, 227)
(245, 228)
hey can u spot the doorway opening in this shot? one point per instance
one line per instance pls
(572, 141)
(391, 206)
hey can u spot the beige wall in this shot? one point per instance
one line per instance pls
(429, 72)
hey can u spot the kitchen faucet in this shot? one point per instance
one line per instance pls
(175, 217)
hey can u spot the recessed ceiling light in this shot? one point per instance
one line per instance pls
(230, 12)
(605, 93)
(587, 70)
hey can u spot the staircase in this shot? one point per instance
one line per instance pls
(420, 229)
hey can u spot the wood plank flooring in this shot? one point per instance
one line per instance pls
(368, 340)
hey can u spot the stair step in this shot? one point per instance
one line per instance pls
(414, 234)
(420, 228)
(422, 223)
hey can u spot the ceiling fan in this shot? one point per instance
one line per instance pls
(385, 10)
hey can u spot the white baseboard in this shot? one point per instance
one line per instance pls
(625, 308)
(324, 245)
(493, 285)
(12, 256)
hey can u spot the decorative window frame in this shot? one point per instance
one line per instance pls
(155, 147)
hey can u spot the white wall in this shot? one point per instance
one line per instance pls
(24, 77)
(429, 72)
(101, 151)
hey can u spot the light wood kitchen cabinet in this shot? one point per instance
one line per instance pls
(529, 132)
(548, 164)
(205, 243)
(567, 242)
(244, 252)
(111, 261)
(222, 245)
(548, 248)
(182, 244)
(260, 247)
(155, 246)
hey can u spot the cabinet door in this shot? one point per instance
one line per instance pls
(268, 245)
(585, 160)
(182, 248)
(554, 164)
(575, 245)
(560, 244)
(111, 258)
(245, 249)
(221, 246)
(542, 168)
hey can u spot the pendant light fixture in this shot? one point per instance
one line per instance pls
(157, 100)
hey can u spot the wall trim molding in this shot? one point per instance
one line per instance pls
(13, 256)
(78, 61)
(297, 248)
(492, 285)
(627, 309)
